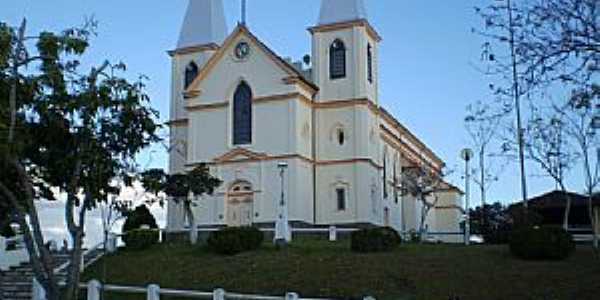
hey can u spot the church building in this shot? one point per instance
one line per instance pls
(247, 112)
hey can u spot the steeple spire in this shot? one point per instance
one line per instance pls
(243, 12)
(336, 11)
(204, 23)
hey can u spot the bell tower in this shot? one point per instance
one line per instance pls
(202, 33)
(345, 52)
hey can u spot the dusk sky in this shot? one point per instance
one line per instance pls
(426, 60)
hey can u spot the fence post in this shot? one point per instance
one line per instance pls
(93, 290)
(82, 264)
(291, 296)
(153, 292)
(219, 294)
(369, 298)
(38, 292)
(332, 233)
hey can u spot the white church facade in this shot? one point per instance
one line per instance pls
(242, 109)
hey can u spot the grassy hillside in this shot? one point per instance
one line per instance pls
(322, 269)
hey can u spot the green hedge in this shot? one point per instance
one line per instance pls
(234, 240)
(6, 230)
(139, 217)
(541, 243)
(375, 240)
(140, 239)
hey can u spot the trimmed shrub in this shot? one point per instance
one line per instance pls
(137, 218)
(233, 240)
(141, 239)
(375, 240)
(541, 243)
(7, 231)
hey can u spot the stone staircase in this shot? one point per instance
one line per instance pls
(16, 283)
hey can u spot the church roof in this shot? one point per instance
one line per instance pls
(337, 11)
(204, 24)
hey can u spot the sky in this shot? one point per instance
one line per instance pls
(427, 58)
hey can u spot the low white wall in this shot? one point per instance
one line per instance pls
(11, 258)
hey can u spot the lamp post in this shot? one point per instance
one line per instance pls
(282, 226)
(466, 154)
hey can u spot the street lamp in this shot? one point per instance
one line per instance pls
(282, 226)
(466, 154)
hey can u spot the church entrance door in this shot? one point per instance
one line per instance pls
(240, 205)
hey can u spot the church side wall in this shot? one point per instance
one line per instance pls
(448, 216)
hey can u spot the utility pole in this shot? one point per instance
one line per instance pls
(517, 98)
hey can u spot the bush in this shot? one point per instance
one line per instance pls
(7, 231)
(541, 243)
(233, 240)
(140, 239)
(375, 240)
(137, 218)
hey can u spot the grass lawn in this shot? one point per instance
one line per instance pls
(318, 268)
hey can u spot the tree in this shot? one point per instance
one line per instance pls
(78, 132)
(482, 124)
(548, 145)
(424, 184)
(184, 189)
(582, 122)
(552, 44)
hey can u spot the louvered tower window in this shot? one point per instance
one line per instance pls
(337, 60)
(370, 63)
(191, 72)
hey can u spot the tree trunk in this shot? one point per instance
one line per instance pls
(482, 187)
(596, 224)
(593, 220)
(567, 207)
(193, 226)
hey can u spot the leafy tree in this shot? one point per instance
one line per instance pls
(183, 189)
(78, 132)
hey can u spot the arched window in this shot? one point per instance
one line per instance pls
(191, 72)
(337, 60)
(340, 195)
(242, 115)
(341, 136)
(370, 63)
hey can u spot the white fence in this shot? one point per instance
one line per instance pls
(154, 292)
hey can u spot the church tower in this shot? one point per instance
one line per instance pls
(345, 52)
(202, 33)
(347, 140)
